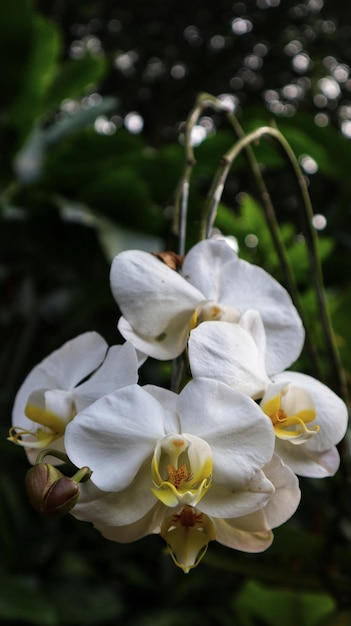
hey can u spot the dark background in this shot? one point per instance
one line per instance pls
(78, 184)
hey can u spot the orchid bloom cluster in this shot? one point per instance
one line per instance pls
(219, 459)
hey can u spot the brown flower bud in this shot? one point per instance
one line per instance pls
(173, 260)
(49, 491)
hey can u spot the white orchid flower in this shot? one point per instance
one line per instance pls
(309, 419)
(155, 455)
(188, 530)
(160, 306)
(65, 382)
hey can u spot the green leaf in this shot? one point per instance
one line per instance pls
(276, 607)
(326, 145)
(29, 161)
(72, 79)
(36, 77)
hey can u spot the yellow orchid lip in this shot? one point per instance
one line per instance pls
(290, 427)
(181, 470)
(54, 428)
(31, 439)
(46, 418)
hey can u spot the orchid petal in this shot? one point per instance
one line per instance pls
(229, 535)
(62, 369)
(290, 409)
(167, 345)
(119, 369)
(227, 352)
(203, 266)
(155, 300)
(240, 435)
(148, 524)
(221, 501)
(115, 435)
(331, 411)
(169, 401)
(116, 508)
(306, 462)
(222, 276)
(187, 535)
(286, 497)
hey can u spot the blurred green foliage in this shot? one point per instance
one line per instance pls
(72, 197)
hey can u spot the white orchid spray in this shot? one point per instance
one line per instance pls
(193, 467)
(214, 458)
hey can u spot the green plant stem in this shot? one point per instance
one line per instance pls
(203, 101)
(56, 453)
(278, 242)
(209, 216)
(338, 376)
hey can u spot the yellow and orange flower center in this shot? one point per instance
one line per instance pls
(290, 410)
(181, 470)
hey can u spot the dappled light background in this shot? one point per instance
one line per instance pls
(94, 99)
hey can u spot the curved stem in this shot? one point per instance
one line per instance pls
(216, 190)
(52, 452)
(339, 381)
(278, 242)
(210, 215)
(203, 101)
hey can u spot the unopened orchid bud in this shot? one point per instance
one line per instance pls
(51, 492)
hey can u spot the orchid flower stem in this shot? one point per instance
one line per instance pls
(203, 101)
(177, 372)
(210, 212)
(56, 453)
(338, 375)
(82, 475)
(182, 194)
(278, 242)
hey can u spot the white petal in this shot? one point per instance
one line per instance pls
(331, 411)
(167, 345)
(246, 541)
(221, 501)
(153, 298)
(228, 352)
(286, 498)
(115, 435)
(119, 369)
(203, 265)
(58, 402)
(116, 509)
(169, 401)
(255, 522)
(306, 462)
(251, 321)
(221, 276)
(240, 435)
(147, 525)
(63, 369)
